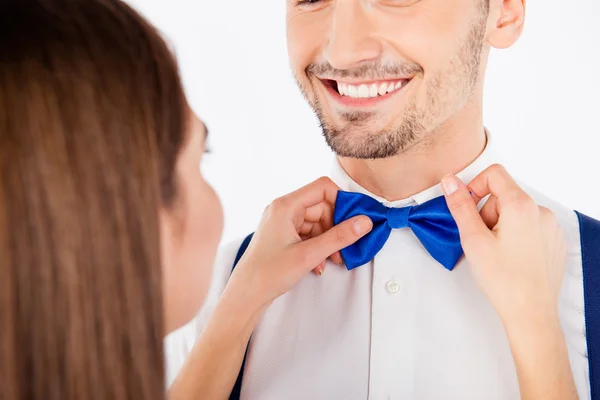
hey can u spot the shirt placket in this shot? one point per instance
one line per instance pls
(392, 333)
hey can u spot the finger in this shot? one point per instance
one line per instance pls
(323, 189)
(464, 210)
(476, 199)
(320, 269)
(325, 219)
(306, 229)
(317, 230)
(322, 213)
(326, 223)
(310, 230)
(497, 181)
(340, 236)
(490, 213)
(337, 258)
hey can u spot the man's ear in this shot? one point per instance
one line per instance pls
(505, 22)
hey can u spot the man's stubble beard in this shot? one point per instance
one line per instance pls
(446, 93)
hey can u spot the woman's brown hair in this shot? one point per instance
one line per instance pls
(92, 118)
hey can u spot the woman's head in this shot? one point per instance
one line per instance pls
(99, 182)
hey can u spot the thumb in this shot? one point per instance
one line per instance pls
(317, 249)
(464, 210)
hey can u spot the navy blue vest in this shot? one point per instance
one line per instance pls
(590, 253)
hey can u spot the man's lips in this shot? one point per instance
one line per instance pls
(365, 93)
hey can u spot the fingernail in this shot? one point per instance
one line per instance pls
(450, 184)
(362, 225)
(320, 271)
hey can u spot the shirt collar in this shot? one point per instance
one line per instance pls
(485, 159)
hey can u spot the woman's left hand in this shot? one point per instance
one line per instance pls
(296, 235)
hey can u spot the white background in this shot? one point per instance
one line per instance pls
(542, 101)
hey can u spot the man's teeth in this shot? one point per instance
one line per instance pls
(366, 91)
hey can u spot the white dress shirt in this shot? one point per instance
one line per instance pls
(400, 327)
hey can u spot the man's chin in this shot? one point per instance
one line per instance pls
(359, 130)
(361, 144)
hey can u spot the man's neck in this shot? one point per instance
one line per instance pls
(450, 150)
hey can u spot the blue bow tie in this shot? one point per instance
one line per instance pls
(431, 222)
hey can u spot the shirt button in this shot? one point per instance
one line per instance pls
(393, 287)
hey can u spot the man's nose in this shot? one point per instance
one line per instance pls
(352, 39)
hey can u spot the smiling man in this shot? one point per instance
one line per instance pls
(383, 75)
(397, 86)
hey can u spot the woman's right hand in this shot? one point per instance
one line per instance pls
(295, 236)
(516, 249)
(517, 255)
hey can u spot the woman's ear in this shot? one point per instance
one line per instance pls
(165, 221)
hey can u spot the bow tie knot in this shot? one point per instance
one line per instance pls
(431, 222)
(397, 218)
